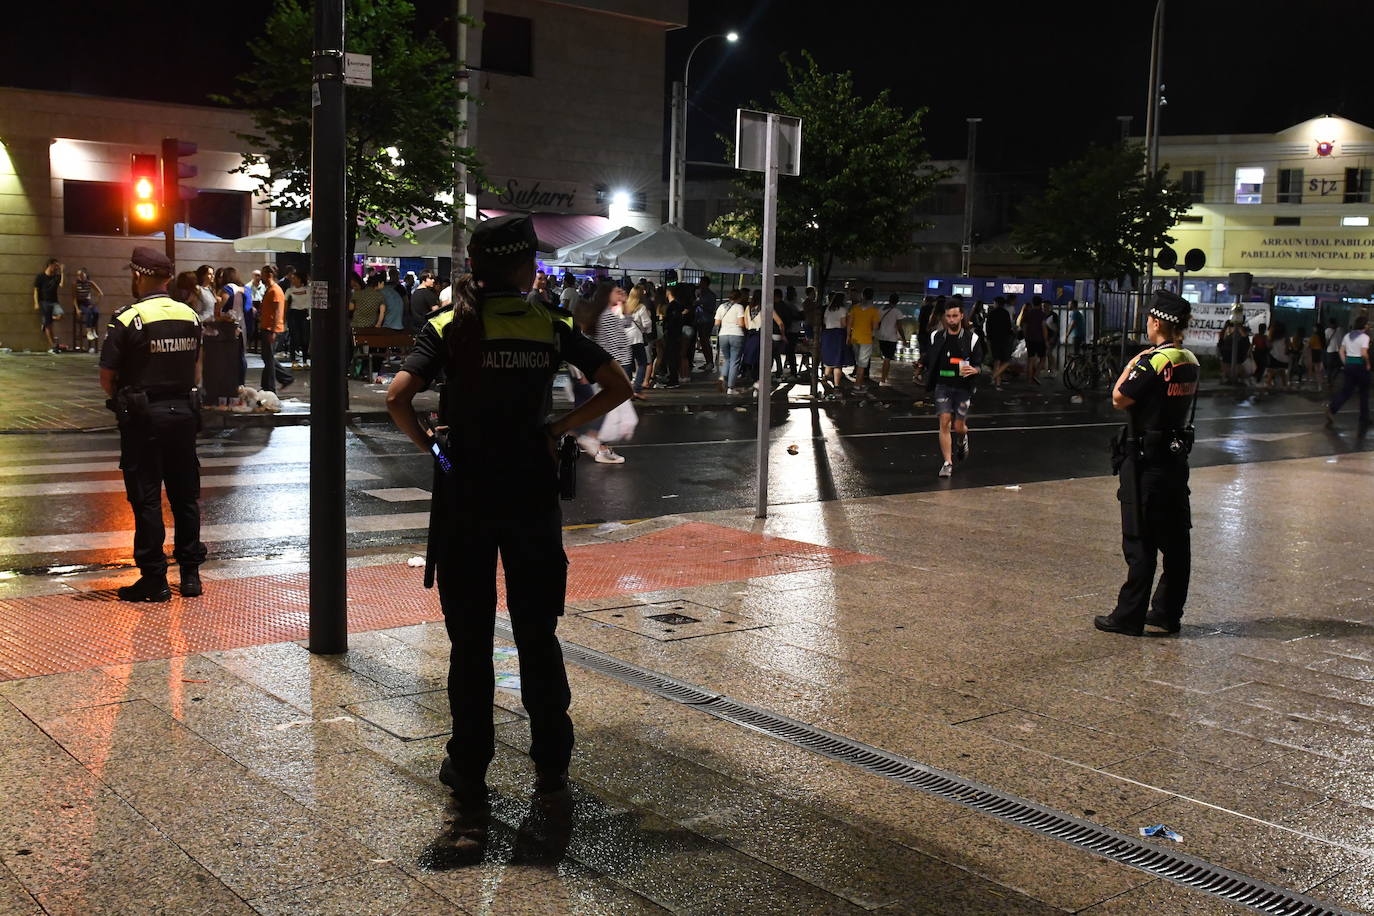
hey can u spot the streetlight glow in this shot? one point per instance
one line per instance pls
(732, 36)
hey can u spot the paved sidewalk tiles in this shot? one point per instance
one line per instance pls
(923, 624)
(53, 633)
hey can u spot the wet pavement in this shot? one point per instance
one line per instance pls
(263, 779)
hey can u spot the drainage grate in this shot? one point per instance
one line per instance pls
(1086, 835)
(672, 618)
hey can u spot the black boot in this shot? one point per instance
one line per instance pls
(1163, 623)
(190, 582)
(552, 792)
(1107, 625)
(147, 588)
(470, 797)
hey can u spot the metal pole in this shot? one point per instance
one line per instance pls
(770, 219)
(171, 195)
(967, 249)
(329, 301)
(1152, 137)
(675, 142)
(458, 253)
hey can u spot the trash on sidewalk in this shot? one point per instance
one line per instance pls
(669, 496)
(508, 681)
(1015, 486)
(1161, 830)
(504, 653)
(415, 562)
(793, 449)
(1076, 399)
(301, 723)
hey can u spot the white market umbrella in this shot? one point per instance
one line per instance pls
(670, 247)
(588, 253)
(293, 238)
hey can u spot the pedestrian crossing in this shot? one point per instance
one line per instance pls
(66, 507)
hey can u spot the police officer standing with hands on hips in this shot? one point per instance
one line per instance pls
(150, 367)
(1158, 389)
(497, 492)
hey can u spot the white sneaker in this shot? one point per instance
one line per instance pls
(589, 444)
(946, 470)
(606, 456)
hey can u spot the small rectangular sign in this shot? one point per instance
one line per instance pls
(751, 141)
(358, 70)
(319, 294)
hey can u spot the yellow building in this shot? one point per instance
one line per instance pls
(1291, 208)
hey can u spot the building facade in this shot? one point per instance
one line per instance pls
(1292, 208)
(569, 127)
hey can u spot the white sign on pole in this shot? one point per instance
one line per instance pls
(358, 70)
(769, 143)
(751, 141)
(319, 294)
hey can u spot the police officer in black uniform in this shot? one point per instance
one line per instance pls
(150, 366)
(1158, 388)
(496, 492)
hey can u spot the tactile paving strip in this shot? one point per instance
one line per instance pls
(55, 633)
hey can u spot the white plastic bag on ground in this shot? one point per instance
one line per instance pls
(619, 425)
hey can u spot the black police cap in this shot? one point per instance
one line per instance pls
(504, 237)
(150, 262)
(1171, 307)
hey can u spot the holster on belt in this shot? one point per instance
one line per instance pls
(130, 406)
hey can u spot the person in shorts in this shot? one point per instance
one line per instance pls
(954, 360)
(889, 332)
(863, 322)
(45, 289)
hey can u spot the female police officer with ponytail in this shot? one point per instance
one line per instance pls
(1158, 389)
(499, 352)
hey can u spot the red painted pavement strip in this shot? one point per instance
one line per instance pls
(55, 633)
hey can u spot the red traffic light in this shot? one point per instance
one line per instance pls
(143, 196)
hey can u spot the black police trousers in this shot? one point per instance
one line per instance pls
(155, 450)
(536, 572)
(1163, 527)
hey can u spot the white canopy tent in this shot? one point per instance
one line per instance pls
(294, 238)
(586, 254)
(670, 247)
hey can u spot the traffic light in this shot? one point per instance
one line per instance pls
(173, 170)
(143, 191)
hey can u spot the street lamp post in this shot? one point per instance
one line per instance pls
(677, 172)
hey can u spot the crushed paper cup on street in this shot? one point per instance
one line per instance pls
(1161, 830)
(416, 562)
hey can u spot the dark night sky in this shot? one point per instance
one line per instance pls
(1044, 79)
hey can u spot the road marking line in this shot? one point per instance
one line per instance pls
(266, 529)
(399, 494)
(114, 453)
(207, 481)
(273, 458)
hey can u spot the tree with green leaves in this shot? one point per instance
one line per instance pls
(1101, 216)
(863, 169)
(401, 151)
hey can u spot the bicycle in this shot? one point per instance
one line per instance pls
(1096, 362)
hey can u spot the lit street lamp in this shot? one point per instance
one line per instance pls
(677, 166)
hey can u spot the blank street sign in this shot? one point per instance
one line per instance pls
(751, 140)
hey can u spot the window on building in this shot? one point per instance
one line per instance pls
(1187, 218)
(1249, 185)
(1193, 182)
(1357, 182)
(93, 208)
(943, 200)
(1290, 186)
(216, 215)
(1288, 221)
(508, 44)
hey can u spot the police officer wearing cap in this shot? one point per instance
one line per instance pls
(1158, 389)
(497, 493)
(150, 366)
